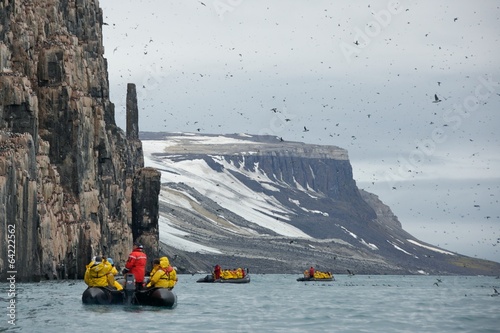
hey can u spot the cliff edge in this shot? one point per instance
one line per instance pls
(71, 181)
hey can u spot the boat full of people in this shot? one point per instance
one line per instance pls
(219, 275)
(312, 274)
(134, 288)
(130, 295)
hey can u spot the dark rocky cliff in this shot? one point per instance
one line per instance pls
(336, 193)
(68, 174)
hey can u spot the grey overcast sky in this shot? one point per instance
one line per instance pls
(361, 75)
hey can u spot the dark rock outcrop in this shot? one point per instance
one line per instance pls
(67, 172)
(147, 183)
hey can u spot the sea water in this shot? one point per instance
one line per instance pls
(270, 303)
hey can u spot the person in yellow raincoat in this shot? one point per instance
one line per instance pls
(96, 274)
(111, 276)
(163, 275)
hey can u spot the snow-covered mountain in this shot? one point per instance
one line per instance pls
(275, 206)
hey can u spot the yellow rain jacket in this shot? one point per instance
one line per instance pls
(163, 276)
(228, 274)
(111, 279)
(96, 274)
(322, 275)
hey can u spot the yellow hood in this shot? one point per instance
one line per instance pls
(164, 263)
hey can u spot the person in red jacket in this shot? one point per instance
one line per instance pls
(136, 264)
(311, 272)
(217, 271)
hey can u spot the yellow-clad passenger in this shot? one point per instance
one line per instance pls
(156, 267)
(96, 274)
(111, 276)
(163, 275)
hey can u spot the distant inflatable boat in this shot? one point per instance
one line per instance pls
(306, 279)
(129, 295)
(210, 279)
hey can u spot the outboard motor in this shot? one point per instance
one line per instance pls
(129, 288)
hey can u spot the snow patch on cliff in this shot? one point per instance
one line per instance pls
(177, 238)
(430, 247)
(223, 187)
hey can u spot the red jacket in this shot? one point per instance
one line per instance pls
(136, 264)
(217, 272)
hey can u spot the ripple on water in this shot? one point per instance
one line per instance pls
(276, 303)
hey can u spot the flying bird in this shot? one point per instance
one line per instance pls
(436, 99)
(305, 129)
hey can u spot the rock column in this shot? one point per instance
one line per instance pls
(145, 208)
(132, 113)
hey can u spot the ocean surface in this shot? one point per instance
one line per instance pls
(271, 303)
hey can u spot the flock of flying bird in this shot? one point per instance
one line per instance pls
(339, 123)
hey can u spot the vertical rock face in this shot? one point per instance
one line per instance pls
(147, 184)
(18, 202)
(132, 130)
(67, 172)
(132, 113)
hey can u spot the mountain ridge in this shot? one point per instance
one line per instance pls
(282, 210)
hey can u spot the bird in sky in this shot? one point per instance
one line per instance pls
(305, 129)
(436, 99)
